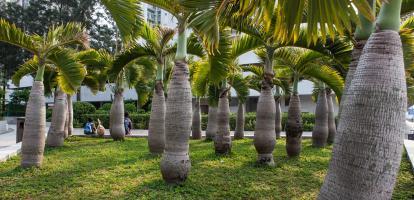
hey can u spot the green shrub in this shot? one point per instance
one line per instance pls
(82, 108)
(141, 121)
(106, 106)
(130, 108)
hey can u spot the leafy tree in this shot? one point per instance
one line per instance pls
(19, 97)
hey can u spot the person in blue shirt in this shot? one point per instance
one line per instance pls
(89, 128)
(127, 124)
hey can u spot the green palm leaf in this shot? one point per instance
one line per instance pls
(70, 72)
(28, 67)
(244, 44)
(9, 33)
(127, 16)
(70, 33)
(240, 85)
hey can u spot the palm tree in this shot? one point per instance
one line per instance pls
(301, 63)
(331, 116)
(59, 127)
(49, 48)
(196, 122)
(241, 87)
(367, 150)
(175, 163)
(320, 131)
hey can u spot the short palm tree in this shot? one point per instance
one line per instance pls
(299, 63)
(47, 49)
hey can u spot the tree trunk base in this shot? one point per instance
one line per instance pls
(293, 146)
(175, 167)
(222, 144)
(266, 159)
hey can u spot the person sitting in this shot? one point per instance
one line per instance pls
(89, 128)
(100, 129)
(127, 124)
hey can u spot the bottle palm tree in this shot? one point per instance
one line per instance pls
(300, 63)
(331, 116)
(366, 160)
(49, 48)
(320, 131)
(175, 163)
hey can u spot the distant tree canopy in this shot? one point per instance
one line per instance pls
(39, 15)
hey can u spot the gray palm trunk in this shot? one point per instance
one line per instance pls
(331, 117)
(56, 135)
(211, 123)
(117, 128)
(66, 128)
(320, 130)
(222, 140)
(34, 127)
(239, 131)
(70, 112)
(175, 162)
(356, 54)
(264, 135)
(278, 118)
(156, 129)
(196, 127)
(367, 149)
(294, 127)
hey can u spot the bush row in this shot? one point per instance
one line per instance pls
(141, 120)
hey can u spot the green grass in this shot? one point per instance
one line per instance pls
(87, 168)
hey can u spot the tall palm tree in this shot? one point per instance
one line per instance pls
(331, 116)
(300, 63)
(320, 131)
(49, 48)
(241, 86)
(368, 148)
(175, 163)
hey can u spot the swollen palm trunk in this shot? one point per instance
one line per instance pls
(356, 54)
(196, 127)
(331, 118)
(320, 130)
(278, 118)
(264, 134)
(117, 129)
(34, 127)
(175, 162)
(56, 135)
(294, 127)
(222, 140)
(367, 150)
(156, 129)
(70, 112)
(66, 129)
(239, 131)
(211, 123)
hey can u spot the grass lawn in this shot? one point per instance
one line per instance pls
(87, 168)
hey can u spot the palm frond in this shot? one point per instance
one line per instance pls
(327, 75)
(92, 83)
(27, 68)
(127, 15)
(70, 33)
(240, 85)
(123, 59)
(200, 81)
(244, 44)
(9, 33)
(70, 72)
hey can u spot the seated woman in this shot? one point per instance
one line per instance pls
(89, 128)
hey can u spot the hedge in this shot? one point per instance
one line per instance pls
(140, 121)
